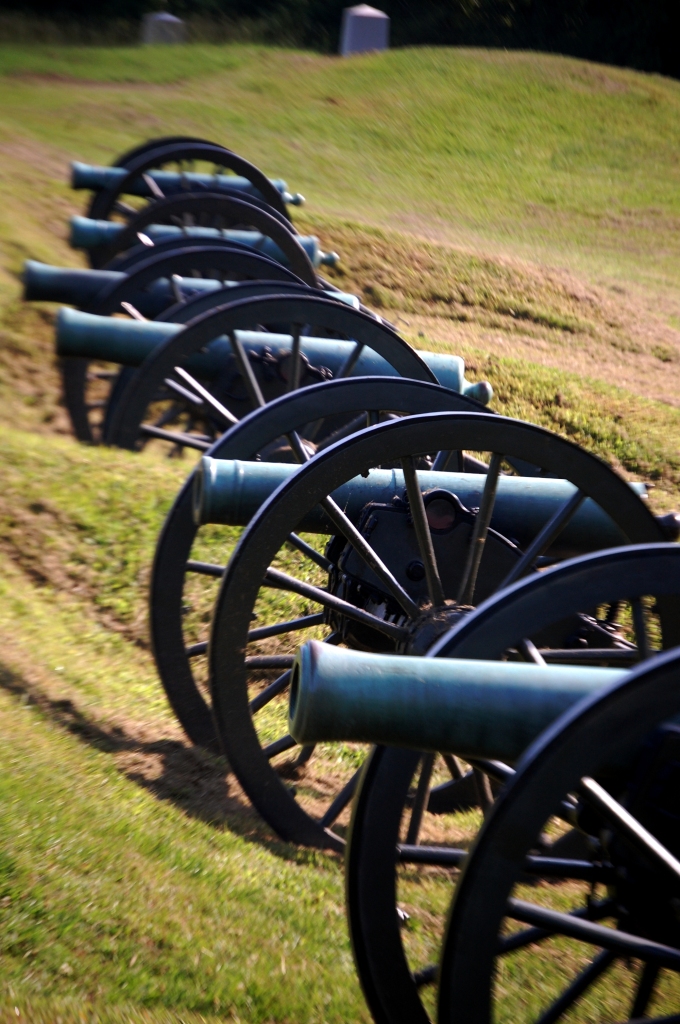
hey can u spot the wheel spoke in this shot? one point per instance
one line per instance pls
(273, 690)
(206, 396)
(578, 987)
(545, 537)
(280, 580)
(443, 460)
(480, 530)
(351, 361)
(184, 440)
(350, 428)
(133, 311)
(645, 990)
(247, 372)
(295, 361)
(344, 371)
(565, 867)
(153, 186)
(530, 652)
(279, 746)
(184, 393)
(640, 627)
(365, 551)
(435, 856)
(423, 536)
(169, 414)
(306, 549)
(420, 801)
(594, 934)
(340, 802)
(483, 787)
(453, 765)
(124, 209)
(628, 827)
(176, 285)
(529, 936)
(205, 569)
(266, 661)
(306, 622)
(494, 769)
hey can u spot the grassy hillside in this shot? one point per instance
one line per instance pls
(532, 154)
(518, 209)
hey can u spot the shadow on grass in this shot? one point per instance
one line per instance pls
(191, 778)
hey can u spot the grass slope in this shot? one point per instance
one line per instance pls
(135, 884)
(536, 154)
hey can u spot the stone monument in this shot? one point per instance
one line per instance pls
(161, 27)
(363, 29)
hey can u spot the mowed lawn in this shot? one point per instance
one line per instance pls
(535, 154)
(520, 209)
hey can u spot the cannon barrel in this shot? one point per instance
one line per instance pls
(90, 234)
(129, 342)
(490, 709)
(95, 178)
(230, 492)
(77, 287)
(43, 282)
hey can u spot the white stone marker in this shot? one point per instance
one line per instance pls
(162, 27)
(363, 28)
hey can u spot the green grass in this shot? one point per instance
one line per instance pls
(138, 64)
(109, 897)
(533, 154)
(135, 884)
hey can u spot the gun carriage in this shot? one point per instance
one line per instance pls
(160, 283)
(162, 168)
(202, 217)
(581, 843)
(411, 540)
(180, 592)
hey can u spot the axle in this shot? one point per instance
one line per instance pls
(231, 492)
(171, 183)
(90, 234)
(489, 709)
(129, 342)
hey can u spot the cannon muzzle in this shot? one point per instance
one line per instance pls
(91, 234)
(231, 492)
(171, 183)
(490, 709)
(119, 341)
(63, 284)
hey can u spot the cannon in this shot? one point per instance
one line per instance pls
(152, 285)
(338, 341)
(83, 337)
(133, 244)
(476, 696)
(265, 435)
(82, 288)
(130, 342)
(106, 234)
(387, 576)
(190, 216)
(170, 183)
(122, 198)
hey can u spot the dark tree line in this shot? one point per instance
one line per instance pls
(643, 34)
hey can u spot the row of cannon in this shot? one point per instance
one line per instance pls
(493, 608)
